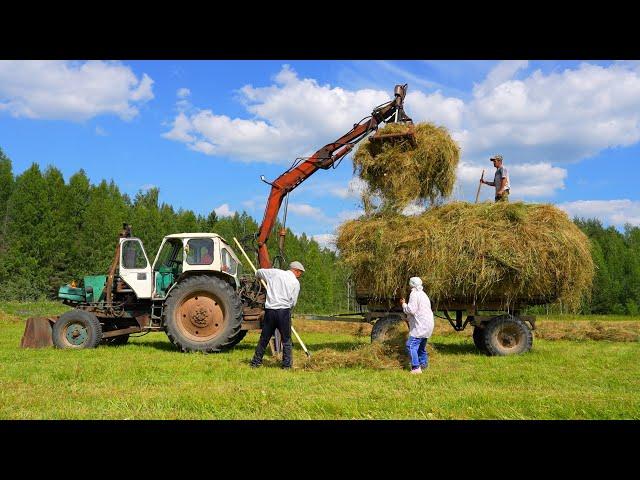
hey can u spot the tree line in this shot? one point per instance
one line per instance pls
(52, 232)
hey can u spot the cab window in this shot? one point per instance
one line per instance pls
(200, 251)
(229, 265)
(133, 255)
(171, 255)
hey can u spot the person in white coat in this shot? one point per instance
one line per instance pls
(420, 319)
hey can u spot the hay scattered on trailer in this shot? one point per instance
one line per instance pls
(473, 252)
(400, 173)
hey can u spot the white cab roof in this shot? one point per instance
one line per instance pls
(196, 235)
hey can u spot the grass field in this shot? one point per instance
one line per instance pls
(573, 377)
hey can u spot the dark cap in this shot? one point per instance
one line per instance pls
(496, 157)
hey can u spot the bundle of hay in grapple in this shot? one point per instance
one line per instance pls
(508, 252)
(399, 172)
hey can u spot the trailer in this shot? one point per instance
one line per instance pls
(498, 329)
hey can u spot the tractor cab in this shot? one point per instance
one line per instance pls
(182, 254)
(135, 269)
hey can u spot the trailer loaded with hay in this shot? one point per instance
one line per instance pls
(488, 260)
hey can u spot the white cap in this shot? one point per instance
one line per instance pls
(296, 265)
(415, 282)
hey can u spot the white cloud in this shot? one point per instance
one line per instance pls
(614, 212)
(183, 92)
(446, 111)
(306, 210)
(326, 240)
(530, 180)
(65, 90)
(293, 117)
(179, 132)
(559, 117)
(499, 74)
(101, 132)
(352, 189)
(224, 210)
(345, 215)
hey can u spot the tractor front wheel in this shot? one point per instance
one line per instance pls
(77, 329)
(203, 313)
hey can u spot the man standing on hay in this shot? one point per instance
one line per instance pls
(500, 180)
(420, 318)
(283, 288)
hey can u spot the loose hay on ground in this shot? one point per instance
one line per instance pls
(401, 173)
(508, 252)
(612, 331)
(389, 354)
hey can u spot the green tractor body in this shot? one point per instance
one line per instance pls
(91, 291)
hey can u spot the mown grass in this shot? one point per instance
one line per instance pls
(148, 379)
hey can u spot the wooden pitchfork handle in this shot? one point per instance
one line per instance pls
(479, 185)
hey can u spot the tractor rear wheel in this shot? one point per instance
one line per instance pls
(238, 338)
(507, 335)
(203, 313)
(77, 329)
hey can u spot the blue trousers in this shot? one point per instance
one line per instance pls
(417, 350)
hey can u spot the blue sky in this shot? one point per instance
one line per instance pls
(204, 131)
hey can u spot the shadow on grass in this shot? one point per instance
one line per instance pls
(456, 348)
(169, 347)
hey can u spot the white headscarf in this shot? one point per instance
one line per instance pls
(415, 282)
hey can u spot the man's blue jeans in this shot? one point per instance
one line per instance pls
(417, 350)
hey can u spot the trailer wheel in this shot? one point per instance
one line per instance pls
(77, 329)
(203, 313)
(478, 339)
(507, 335)
(383, 327)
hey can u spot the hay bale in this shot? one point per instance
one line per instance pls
(506, 252)
(400, 173)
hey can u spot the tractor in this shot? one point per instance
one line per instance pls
(193, 291)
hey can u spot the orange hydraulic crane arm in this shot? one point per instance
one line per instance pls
(324, 158)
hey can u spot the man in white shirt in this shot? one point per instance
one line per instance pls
(283, 288)
(420, 318)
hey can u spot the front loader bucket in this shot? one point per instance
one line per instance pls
(38, 332)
